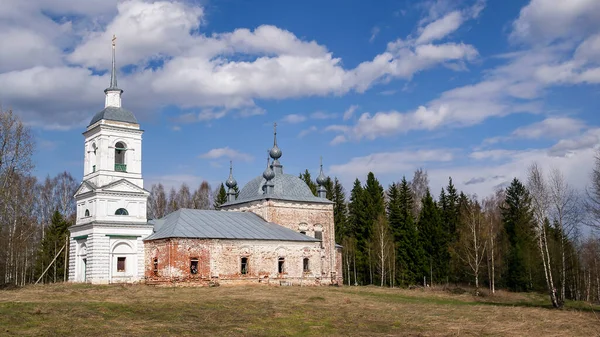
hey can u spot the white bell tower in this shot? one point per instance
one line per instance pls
(106, 241)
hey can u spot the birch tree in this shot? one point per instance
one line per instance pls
(564, 204)
(383, 245)
(493, 219)
(472, 242)
(540, 202)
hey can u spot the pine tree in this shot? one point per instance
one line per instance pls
(329, 189)
(408, 249)
(54, 240)
(432, 237)
(220, 197)
(357, 222)
(309, 182)
(340, 211)
(517, 217)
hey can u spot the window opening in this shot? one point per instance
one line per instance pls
(87, 212)
(120, 149)
(120, 264)
(318, 235)
(303, 232)
(305, 265)
(155, 263)
(281, 265)
(121, 211)
(194, 266)
(244, 269)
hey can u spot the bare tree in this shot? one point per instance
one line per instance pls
(493, 219)
(383, 245)
(157, 202)
(540, 202)
(418, 187)
(184, 197)
(16, 201)
(202, 198)
(565, 211)
(172, 204)
(472, 241)
(592, 203)
(64, 190)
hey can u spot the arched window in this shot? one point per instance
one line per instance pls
(87, 212)
(120, 149)
(93, 159)
(121, 211)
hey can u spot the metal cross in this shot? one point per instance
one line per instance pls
(114, 38)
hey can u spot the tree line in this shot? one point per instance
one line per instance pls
(34, 214)
(529, 236)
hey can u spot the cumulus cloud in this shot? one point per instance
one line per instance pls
(226, 152)
(173, 62)
(544, 21)
(441, 28)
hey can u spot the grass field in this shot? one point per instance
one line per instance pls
(85, 310)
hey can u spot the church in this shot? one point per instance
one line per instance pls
(274, 231)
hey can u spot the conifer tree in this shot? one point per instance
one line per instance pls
(329, 189)
(309, 182)
(432, 237)
(340, 211)
(357, 224)
(517, 217)
(409, 253)
(54, 239)
(220, 197)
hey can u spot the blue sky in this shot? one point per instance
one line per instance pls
(475, 90)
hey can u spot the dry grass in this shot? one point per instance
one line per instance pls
(84, 310)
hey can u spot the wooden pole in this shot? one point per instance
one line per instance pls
(50, 265)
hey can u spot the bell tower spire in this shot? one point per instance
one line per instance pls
(113, 93)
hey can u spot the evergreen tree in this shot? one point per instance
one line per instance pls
(433, 240)
(374, 207)
(357, 215)
(220, 197)
(54, 240)
(309, 182)
(340, 211)
(329, 189)
(409, 252)
(517, 217)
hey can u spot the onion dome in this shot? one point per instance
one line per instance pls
(275, 152)
(231, 183)
(268, 174)
(321, 179)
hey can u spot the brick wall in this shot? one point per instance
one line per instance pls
(220, 261)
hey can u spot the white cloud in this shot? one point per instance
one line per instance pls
(188, 68)
(322, 115)
(550, 127)
(294, 118)
(226, 152)
(374, 32)
(441, 28)
(389, 162)
(350, 112)
(587, 140)
(339, 139)
(544, 21)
